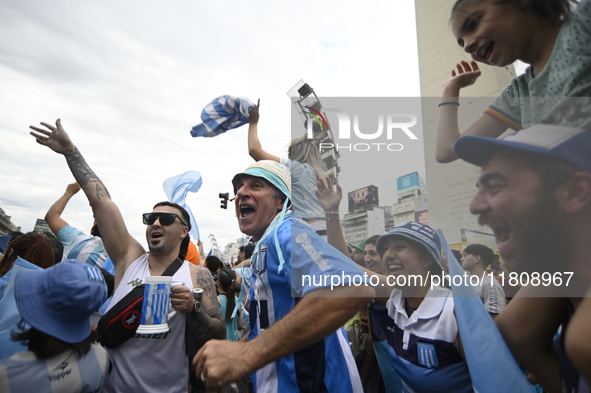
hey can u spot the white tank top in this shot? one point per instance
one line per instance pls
(150, 363)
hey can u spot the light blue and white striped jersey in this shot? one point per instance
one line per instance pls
(10, 316)
(327, 366)
(85, 248)
(64, 373)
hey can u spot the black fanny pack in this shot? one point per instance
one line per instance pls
(121, 322)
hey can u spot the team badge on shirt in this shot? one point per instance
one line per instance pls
(426, 355)
(259, 264)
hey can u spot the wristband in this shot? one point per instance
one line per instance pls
(449, 103)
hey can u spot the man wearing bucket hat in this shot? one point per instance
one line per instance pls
(63, 353)
(295, 343)
(534, 192)
(147, 363)
(422, 331)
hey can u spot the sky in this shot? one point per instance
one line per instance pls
(129, 80)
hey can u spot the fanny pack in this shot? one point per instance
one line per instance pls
(121, 322)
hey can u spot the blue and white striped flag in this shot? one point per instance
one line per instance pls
(176, 189)
(223, 114)
(492, 367)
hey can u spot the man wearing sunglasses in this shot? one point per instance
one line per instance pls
(146, 363)
(296, 342)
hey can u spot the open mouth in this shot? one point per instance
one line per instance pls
(395, 267)
(486, 51)
(503, 236)
(246, 211)
(155, 236)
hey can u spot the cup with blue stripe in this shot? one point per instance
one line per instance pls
(156, 304)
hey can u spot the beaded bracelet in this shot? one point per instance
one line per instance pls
(330, 212)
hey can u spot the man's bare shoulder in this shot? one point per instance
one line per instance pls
(202, 277)
(199, 270)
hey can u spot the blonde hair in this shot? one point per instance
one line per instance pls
(306, 151)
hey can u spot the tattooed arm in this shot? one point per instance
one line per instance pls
(207, 323)
(120, 245)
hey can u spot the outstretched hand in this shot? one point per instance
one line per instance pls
(56, 138)
(465, 74)
(253, 118)
(328, 198)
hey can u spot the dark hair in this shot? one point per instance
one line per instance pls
(45, 346)
(31, 246)
(554, 11)
(457, 254)
(178, 207)
(227, 280)
(247, 249)
(485, 253)
(214, 263)
(372, 240)
(495, 264)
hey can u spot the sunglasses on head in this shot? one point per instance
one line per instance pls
(164, 218)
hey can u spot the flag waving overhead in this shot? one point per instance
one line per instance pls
(492, 368)
(176, 189)
(223, 114)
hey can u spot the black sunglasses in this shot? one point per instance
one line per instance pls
(164, 218)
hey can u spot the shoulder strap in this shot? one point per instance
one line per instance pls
(174, 266)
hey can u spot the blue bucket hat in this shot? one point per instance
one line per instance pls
(59, 300)
(422, 234)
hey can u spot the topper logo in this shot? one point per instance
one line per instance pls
(344, 123)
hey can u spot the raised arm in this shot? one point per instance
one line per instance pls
(448, 130)
(120, 245)
(54, 214)
(254, 144)
(330, 200)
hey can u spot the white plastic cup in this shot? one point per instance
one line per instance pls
(156, 304)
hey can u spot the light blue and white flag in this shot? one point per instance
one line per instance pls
(223, 114)
(492, 367)
(176, 189)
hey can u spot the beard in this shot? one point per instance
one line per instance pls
(543, 238)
